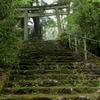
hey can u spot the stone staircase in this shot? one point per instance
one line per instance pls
(50, 71)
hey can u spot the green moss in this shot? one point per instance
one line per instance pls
(94, 59)
(48, 96)
(4, 78)
(42, 81)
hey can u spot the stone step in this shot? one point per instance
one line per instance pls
(42, 71)
(42, 44)
(53, 67)
(45, 63)
(57, 76)
(48, 63)
(47, 50)
(55, 71)
(65, 57)
(80, 96)
(53, 82)
(50, 90)
(48, 71)
(50, 56)
(56, 66)
(47, 53)
(49, 67)
(41, 53)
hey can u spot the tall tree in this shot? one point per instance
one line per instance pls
(37, 26)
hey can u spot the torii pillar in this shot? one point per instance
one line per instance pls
(25, 25)
(58, 20)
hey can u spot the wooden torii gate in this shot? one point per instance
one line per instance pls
(41, 11)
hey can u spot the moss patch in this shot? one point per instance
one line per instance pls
(3, 77)
(94, 59)
(48, 96)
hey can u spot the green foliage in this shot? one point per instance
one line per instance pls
(85, 18)
(49, 22)
(10, 40)
(20, 2)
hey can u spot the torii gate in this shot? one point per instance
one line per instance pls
(41, 11)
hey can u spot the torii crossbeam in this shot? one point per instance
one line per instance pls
(41, 11)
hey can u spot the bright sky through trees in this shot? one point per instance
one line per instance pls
(49, 1)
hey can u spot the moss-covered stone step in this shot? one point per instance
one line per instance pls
(46, 53)
(56, 66)
(53, 82)
(55, 76)
(44, 56)
(48, 63)
(50, 90)
(41, 44)
(49, 67)
(47, 50)
(51, 57)
(44, 48)
(67, 53)
(47, 70)
(44, 63)
(80, 96)
(42, 71)
(55, 71)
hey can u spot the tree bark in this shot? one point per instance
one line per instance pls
(37, 28)
(37, 33)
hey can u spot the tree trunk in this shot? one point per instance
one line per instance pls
(37, 33)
